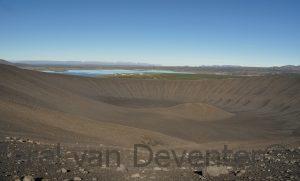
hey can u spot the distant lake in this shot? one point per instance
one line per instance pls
(102, 72)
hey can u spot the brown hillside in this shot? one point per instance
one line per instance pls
(122, 112)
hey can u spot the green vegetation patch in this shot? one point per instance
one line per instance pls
(173, 76)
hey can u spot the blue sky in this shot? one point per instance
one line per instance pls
(186, 32)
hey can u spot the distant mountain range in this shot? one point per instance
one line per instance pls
(79, 63)
(204, 69)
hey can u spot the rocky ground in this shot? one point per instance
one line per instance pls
(25, 159)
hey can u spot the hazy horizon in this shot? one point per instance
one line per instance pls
(169, 33)
(137, 63)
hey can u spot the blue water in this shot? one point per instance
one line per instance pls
(101, 72)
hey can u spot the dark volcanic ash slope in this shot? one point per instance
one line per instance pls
(170, 113)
